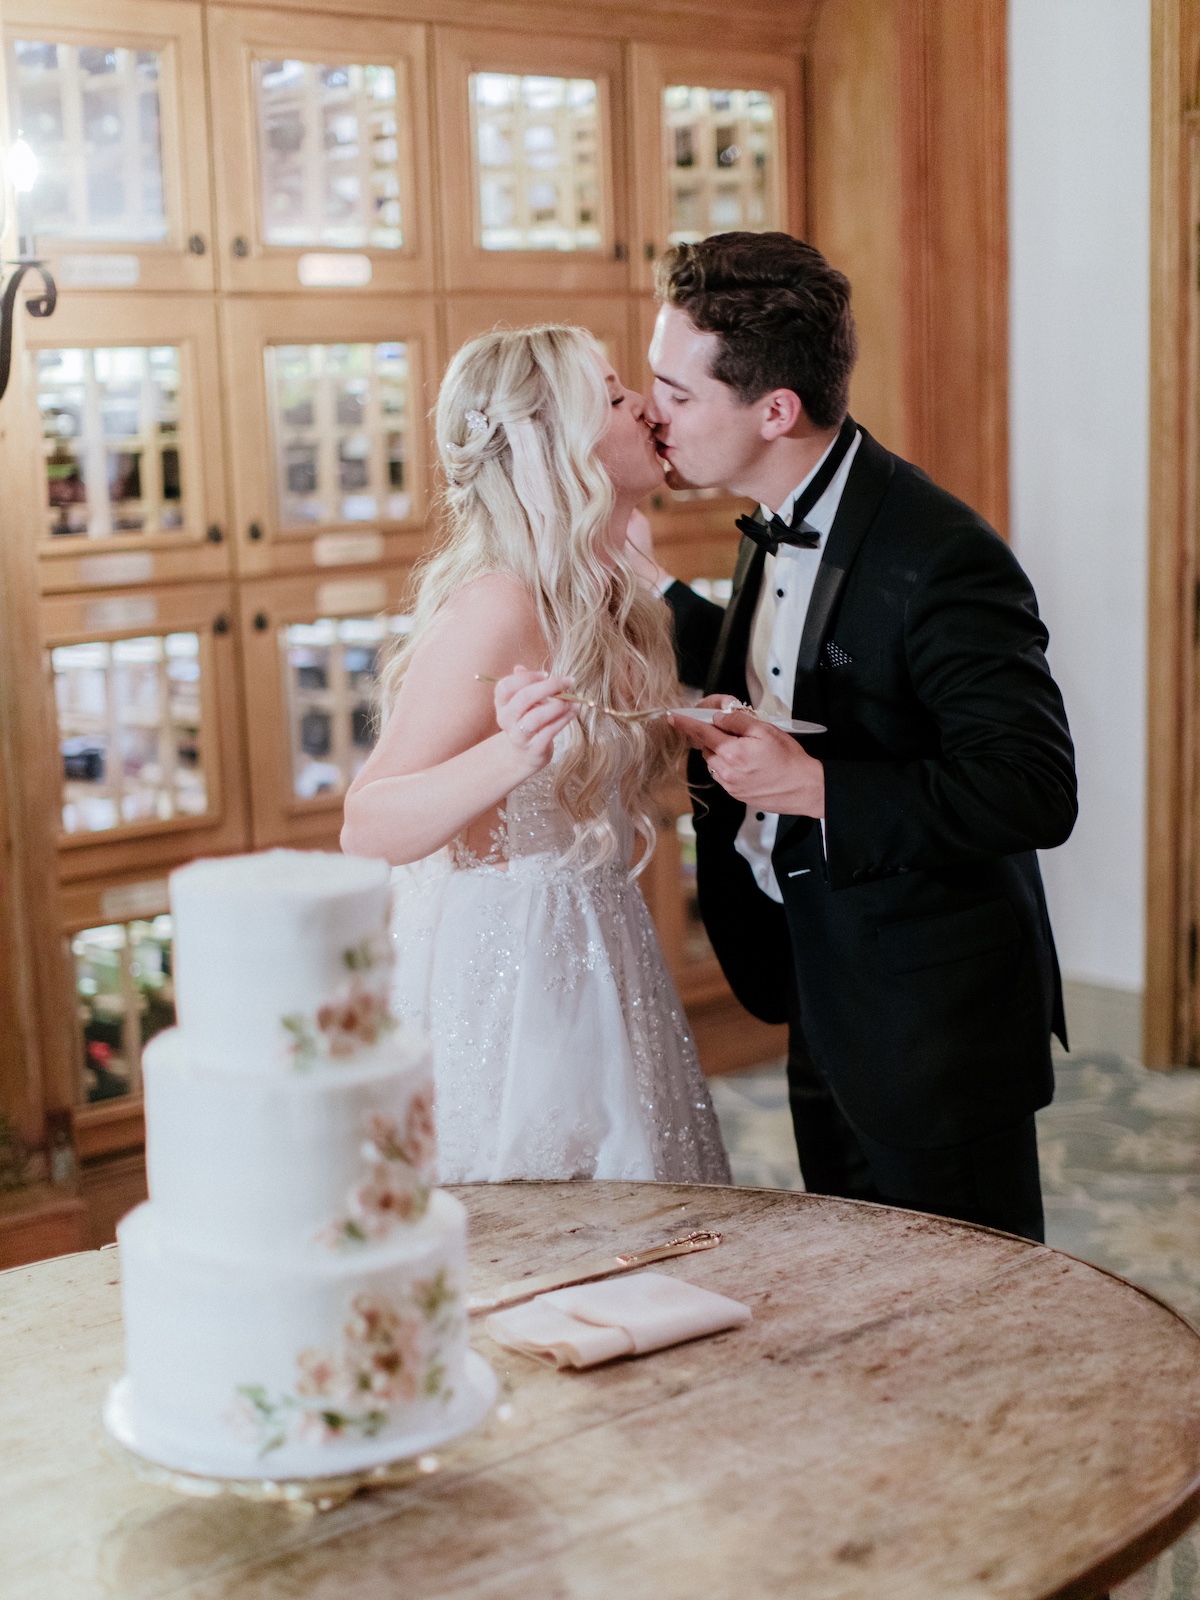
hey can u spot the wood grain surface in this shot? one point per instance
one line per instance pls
(918, 1409)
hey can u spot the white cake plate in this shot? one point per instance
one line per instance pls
(381, 1463)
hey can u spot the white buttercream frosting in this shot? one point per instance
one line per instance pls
(281, 959)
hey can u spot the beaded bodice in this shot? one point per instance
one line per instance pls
(534, 832)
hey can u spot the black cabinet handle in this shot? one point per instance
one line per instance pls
(260, 622)
(255, 531)
(651, 252)
(241, 246)
(214, 533)
(221, 624)
(196, 244)
(619, 251)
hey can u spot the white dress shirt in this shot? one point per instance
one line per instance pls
(787, 586)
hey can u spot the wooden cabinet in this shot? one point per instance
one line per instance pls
(311, 646)
(130, 476)
(111, 102)
(321, 147)
(717, 146)
(147, 709)
(531, 144)
(329, 439)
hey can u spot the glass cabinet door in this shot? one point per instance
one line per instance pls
(129, 473)
(109, 100)
(725, 127)
(313, 649)
(321, 137)
(329, 439)
(530, 135)
(125, 994)
(144, 698)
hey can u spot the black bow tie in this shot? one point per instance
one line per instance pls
(770, 535)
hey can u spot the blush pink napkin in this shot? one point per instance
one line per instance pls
(627, 1316)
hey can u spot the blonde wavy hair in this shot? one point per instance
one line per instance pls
(519, 417)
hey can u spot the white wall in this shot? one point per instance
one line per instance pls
(1079, 195)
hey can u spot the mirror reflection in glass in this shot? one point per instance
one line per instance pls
(721, 162)
(340, 419)
(111, 440)
(125, 993)
(329, 669)
(328, 155)
(537, 162)
(92, 116)
(129, 724)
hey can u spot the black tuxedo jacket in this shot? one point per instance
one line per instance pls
(916, 937)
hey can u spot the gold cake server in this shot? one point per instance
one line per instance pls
(513, 1294)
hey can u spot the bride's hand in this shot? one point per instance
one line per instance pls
(530, 715)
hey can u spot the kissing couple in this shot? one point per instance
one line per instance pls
(874, 885)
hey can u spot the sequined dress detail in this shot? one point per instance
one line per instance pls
(561, 1049)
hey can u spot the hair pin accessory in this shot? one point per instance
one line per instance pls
(477, 423)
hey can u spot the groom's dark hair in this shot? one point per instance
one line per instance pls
(781, 313)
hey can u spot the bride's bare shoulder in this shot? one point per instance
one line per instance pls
(485, 627)
(495, 600)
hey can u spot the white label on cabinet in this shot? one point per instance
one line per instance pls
(367, 595)
(98, 272)
(123, 566)
(321, 269)
(131, 611)
(347, 549)
(148, 899)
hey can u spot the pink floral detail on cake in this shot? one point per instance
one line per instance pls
(389, 1356)
(356, 1016)
(397, 1175)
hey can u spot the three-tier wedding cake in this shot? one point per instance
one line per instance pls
(295, 1288)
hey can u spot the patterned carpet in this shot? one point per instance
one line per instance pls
(1120, 1154)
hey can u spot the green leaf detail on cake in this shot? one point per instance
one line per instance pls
(365, 956)
(301, 1042)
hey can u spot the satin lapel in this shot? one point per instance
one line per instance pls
(870, 475)
(728, 672)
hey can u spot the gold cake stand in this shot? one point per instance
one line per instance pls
(303, 1496)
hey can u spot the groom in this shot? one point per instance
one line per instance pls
(874, 885)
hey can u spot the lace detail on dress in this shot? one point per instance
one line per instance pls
(464, 859)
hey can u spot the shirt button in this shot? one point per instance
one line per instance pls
(779, 592)
(760, 816)
(774, 672)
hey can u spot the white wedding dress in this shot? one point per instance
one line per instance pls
(560, 1045)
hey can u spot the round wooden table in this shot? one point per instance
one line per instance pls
(919, 1410)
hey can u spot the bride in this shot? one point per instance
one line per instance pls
(512, 815)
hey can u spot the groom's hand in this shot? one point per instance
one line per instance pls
(757, 764)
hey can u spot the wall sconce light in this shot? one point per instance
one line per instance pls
(22, 172)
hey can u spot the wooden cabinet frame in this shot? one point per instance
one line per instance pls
(204, 609)
(459, 53)
(200, 549)
(654, 68)
(183, 260)
(236, 38)
(249, 327)
(280, 817)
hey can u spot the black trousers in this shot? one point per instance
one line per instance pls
(993, 1181)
